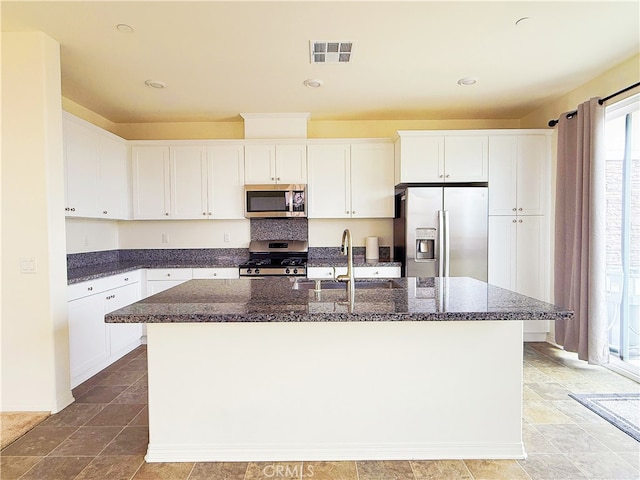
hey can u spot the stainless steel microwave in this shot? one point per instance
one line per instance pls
(275, 201)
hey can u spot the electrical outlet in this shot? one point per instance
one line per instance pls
(29, 265)
(165, 238)
(86, 240)
(227, 237)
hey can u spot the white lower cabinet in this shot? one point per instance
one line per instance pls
(330, 273)
(93, 344)
(161, 279)
(518, 261)
(217, 273)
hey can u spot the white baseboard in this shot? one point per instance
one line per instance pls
(535, 337)
(277, 453)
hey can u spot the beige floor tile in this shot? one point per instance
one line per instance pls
(385, 470)
(613, 438)
(219, 471)
(496, 470)
(164, 471)
(542, 412)
(571, 438)
(271, 470)
(535, 442)
(57, 468)
(551, 466)
(329, 471)
(111, 468)
(601, 466)
(577, 412)
(86, 441)
(38, 442)
(440, 470)
(76, 414)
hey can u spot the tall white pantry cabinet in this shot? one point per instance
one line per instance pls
(519, 217)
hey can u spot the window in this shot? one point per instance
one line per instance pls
(622, 167)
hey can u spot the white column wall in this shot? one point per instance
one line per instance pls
(34, 329)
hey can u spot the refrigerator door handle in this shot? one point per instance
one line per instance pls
(447, 243)
(440, 243)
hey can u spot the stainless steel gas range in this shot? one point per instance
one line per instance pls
(282, 258)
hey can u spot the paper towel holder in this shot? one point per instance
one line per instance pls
(371, 248)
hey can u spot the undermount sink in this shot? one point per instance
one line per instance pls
(333, 285)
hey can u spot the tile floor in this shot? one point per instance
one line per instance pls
(103, 435)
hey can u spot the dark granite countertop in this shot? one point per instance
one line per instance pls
(278, 300)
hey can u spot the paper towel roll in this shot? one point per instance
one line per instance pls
(371, 245)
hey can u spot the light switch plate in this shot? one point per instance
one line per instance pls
(28, 265)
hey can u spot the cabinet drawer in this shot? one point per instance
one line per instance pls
(91, 287)
(376, 272)
(320, 273)
(170, 274)
(120, 297)
(215, 273)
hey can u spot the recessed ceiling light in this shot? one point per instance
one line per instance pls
(313, 83)
(467, 81)
(155, 84)
(124, 28)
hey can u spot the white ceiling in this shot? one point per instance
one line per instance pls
(219, 59)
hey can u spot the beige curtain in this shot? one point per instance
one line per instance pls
(580, 233)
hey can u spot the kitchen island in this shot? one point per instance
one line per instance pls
(276, 369)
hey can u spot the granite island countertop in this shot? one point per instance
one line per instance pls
(285, 299)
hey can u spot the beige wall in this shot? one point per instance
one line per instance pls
(91, 235)
(617, 78)
(35, 338)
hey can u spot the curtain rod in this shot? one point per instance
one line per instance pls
(553, 123)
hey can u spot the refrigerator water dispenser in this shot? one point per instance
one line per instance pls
(425, 243)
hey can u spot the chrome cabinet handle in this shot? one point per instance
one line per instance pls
(166, 214)
(519, 221)
(104, 212)
(90, 288)
(447, 175)
(514, 220)
(514, 209)
(520, 209)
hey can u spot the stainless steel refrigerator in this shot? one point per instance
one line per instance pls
(441, 231)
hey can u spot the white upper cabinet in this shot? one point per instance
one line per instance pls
(466, 158)
(95, 161)
(151, 184)
(113, 185)
(81, 169)
(425, 157)
(329, 181)
(518, 174)
(281, 164)
(225, 167)
(188, 182)
(351, 180)
(372, 187)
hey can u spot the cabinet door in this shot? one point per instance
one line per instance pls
(421, 159)
(329, 181)
(503, 151)
(113, 185)
(122, 336)
(372, 186)
(532, 174)
(291, 164)
(531, 257)
(189, 182)
(226, 181)
(151, 184)
(81, 170)
(466, 158)
(259, 164)
(320, 273)
(88, 341)
(502, 242)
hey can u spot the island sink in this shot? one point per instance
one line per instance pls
(318, 285)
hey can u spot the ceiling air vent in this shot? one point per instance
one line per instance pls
(331, 52)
